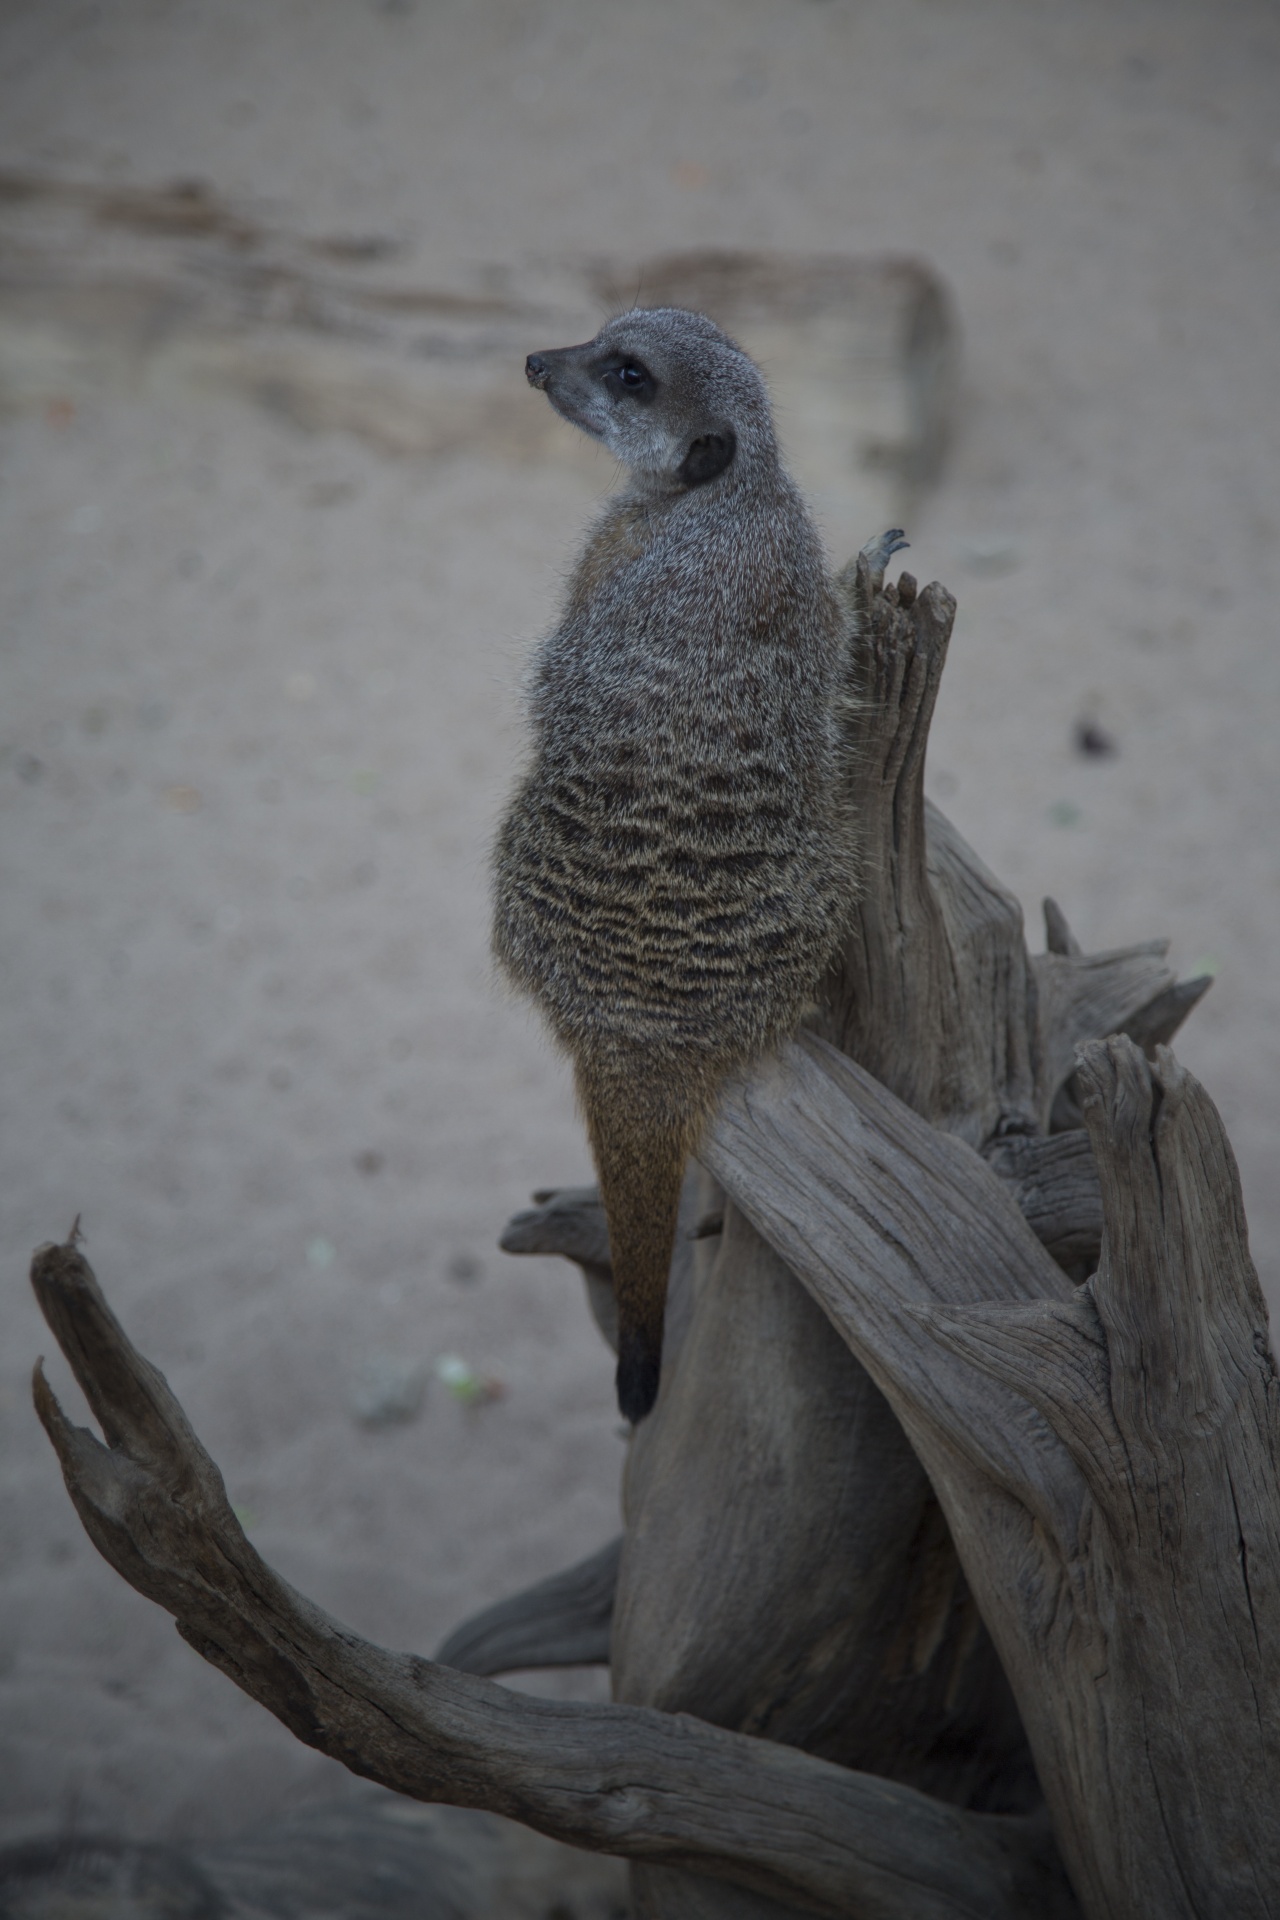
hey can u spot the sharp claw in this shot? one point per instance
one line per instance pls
(879, 552)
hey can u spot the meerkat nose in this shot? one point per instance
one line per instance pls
(536, 370)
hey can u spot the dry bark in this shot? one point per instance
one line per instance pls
(623, 1780)
(836, 1623)
(564, 1621)
(936, 996)
(1106, 1456)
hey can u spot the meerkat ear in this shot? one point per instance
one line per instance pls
(708, 456)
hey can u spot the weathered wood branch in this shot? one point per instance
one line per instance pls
(836, 1544)
(1054, 1183)
(570, 1221)
(564, 1621)
(1087, 996)
(1052, 1178)
(880, 1215)
(1155, 1024)
(1092, 1005)
(836, 1620)
(623, 1780)
(955, 1535)
(899, 998)
(934, 993)
(1106, 1457)
(936, 996)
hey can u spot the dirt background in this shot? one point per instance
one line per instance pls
(257, 720)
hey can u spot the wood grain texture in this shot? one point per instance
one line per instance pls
(624, 1780)
(1054, 1182)
(785, 1570)
(1106, 1456)
(563, 1621)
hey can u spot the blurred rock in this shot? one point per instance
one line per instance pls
(388, 1390)
(862, 352)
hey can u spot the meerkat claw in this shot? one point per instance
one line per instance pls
(880, 552)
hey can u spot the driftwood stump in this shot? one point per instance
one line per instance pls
(948, 1584)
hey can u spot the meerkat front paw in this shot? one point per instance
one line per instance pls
(880, 552)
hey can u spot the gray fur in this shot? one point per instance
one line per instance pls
(675, 868)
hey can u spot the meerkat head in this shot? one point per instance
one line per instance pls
(667, 392)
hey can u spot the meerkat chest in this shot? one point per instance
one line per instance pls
(618, 543)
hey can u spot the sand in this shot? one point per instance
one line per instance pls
(258, 715)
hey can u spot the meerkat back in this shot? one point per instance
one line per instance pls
(674, 869)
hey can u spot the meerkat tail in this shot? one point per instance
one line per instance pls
(640, 1140)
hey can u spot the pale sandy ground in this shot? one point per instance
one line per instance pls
(209, 1015)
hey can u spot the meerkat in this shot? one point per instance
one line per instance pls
(676, 867)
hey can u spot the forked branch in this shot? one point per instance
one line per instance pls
(623, 1780)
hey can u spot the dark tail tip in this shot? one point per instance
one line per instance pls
(639, 1369)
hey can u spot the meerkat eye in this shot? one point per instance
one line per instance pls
(631, 378)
